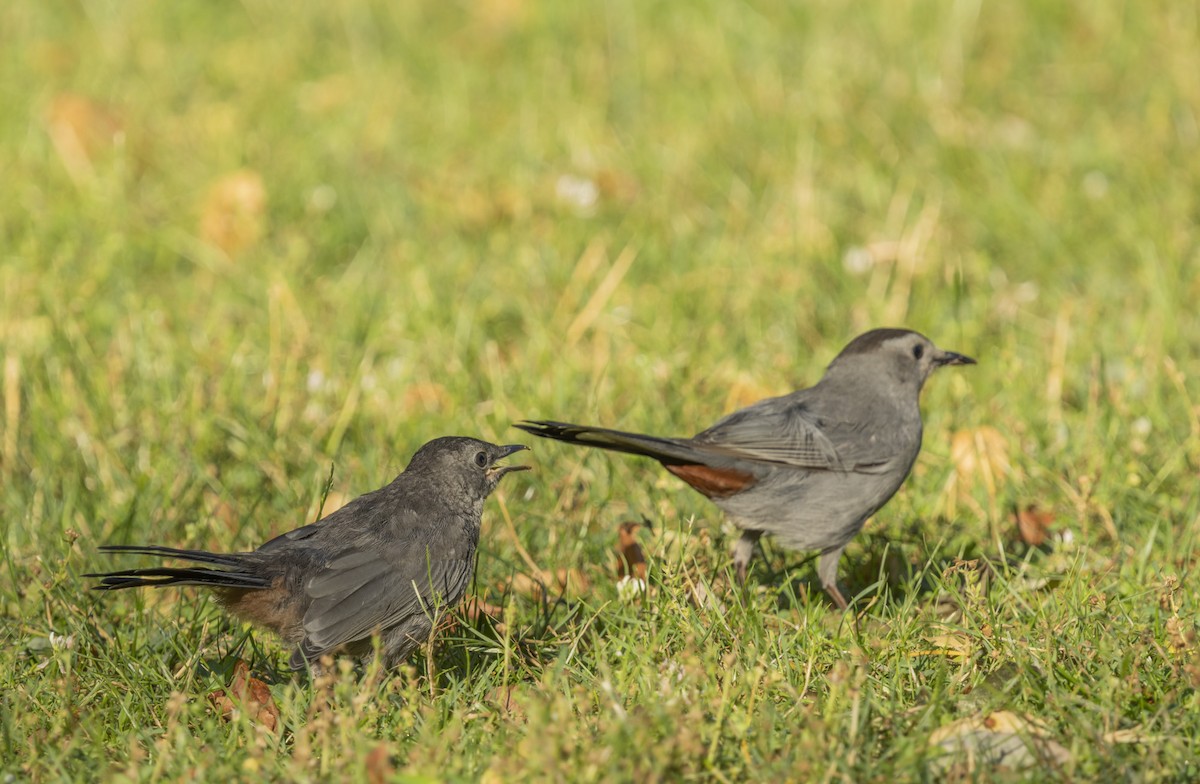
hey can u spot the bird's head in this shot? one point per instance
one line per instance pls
(466, 462)
(901, 356)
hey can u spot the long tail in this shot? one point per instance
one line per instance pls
(671, 451)
(236, 577)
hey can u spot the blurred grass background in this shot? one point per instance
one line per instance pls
(245, 242)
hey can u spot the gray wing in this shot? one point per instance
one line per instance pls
(787, 430)
(376, 588)
(780, 430)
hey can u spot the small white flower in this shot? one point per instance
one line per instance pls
(579, 192)
(858, 260)
(62, 642)
(630, 587)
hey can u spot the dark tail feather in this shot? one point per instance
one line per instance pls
(199, 556)
(192, 575)
(212, 578)
(666, 450)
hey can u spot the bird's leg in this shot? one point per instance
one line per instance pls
(836, 595)
(743, 551)
(827, 572)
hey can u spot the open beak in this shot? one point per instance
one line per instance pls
(951, 358)
(498, 471)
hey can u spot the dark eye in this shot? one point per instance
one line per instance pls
(918, 351)
(481, 459)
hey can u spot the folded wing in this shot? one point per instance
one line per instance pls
(374, 589)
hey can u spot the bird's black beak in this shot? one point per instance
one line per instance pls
(498, 471)
(951, 358)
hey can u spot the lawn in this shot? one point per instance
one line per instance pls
(254, 254)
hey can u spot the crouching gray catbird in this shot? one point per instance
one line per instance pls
(809, 467)
(386, 563)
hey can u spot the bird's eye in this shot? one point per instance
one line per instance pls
(918, 351)
(481, 459)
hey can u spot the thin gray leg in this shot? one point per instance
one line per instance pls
(743, 551)
(827, 572)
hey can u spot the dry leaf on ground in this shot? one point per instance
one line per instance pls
(379, 764)
(563, 582)
(246, 693)
(617, 186)
(951, 644)
(476, 608)
(631, 559)
(1002, 739)
(81, 130)
(233, 212)
(980, 457)
(1033, 524)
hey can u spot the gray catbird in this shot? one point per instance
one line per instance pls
(809, 467)
(384, 563)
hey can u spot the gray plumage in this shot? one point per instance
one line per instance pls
(388, 562)
(809, 467)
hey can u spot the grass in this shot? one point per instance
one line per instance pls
(245, 243)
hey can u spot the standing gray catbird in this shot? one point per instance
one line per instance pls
(386, 563)
(809, 467)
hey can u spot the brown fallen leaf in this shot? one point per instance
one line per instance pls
(949, 643)
(81, 129)
(617, 186)
(471, 609)
(379, 764)
(233, 212)
(631, 559)
(980, 458)
(246, 693)
(1033, 524)
(1002, 739)
(476, 608)
(562, 582)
